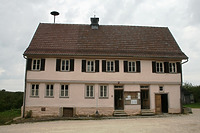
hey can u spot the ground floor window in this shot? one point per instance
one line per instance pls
(49, 90)
(89, 91)
(64, 92)
(35, 90)
(103, 92)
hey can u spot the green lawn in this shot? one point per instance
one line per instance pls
(9, 115)
(193, 105)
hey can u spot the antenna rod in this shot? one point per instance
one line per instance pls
(54, 13)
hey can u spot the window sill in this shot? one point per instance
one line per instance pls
(89, 97)
(34, 96)
(103, 97)
(49, 97)
(64, 96)
(89, 72)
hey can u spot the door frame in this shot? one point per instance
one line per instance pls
(161, 102)
(122, 92)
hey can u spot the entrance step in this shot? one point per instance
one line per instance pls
(147, 112)
(119, 113)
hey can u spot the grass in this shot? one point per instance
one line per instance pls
(193, 105)
(7, 116)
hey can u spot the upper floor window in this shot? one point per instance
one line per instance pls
(49, 90)
(35, 90)
(103, 92)
(36, 64)
(110, 65)
(89, 93)
(64, 92)
(131, 66)
(159, 67)
(172, 67)
(65, 65)
(90, 66)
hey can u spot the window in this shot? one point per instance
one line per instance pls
(36, 64)
(131, 66)
(159, 67)
(89, 91)
(49, 90)
(161, 88)
(103, 91)
(64, 92)
(65, 65)
(172, 67)
(110, 66)
(90, 66)
(35, 90)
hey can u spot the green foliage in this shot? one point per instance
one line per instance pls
(195, 90)
(8, 115)
(193, 105)
(29, 114)
(10, 100)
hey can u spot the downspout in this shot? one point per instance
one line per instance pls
(24, 101)
(182, 84)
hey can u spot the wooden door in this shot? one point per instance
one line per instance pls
(119, 100)
(145, 101)
(158, 104)
(67, 112)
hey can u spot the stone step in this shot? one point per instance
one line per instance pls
(119, 113)
(147, 112)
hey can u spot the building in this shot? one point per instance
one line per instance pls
(81, 70)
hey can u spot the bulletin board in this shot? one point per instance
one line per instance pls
(132, 98)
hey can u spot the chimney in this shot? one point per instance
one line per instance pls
(94, 23)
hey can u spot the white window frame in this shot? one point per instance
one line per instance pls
(65, 92)
(36, 64)
(34, 90)
(110, 66)
(64, 66)
(172, 67)
(49, 90)
(132, 66)
(89, 91)
(160, 67)
(103, 91)
(90, 65)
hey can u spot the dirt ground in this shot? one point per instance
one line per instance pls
(170, 124)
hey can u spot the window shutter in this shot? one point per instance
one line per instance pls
(116, 65)
(125, 66)
(103, 65)
(42, 65)
(96, 65)
(29, 64)
(153, 66)
(138, 66)
(71, 64)
(83, 65)
(166, 67)
(179, 68)
(58, 61)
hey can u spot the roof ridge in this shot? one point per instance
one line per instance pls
(120, 25)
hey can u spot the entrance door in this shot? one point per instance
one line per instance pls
(67, 112)
(119, 100)
(145, 102)
(161, 103)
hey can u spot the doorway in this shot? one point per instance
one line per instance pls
(145, 101)
(119, 99)
(161, 103)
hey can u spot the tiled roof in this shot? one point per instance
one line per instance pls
(108, 40)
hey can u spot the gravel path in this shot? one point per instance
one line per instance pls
(171, 124)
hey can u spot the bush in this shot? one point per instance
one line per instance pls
(28, 114)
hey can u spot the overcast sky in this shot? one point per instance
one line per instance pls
(20, 18)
